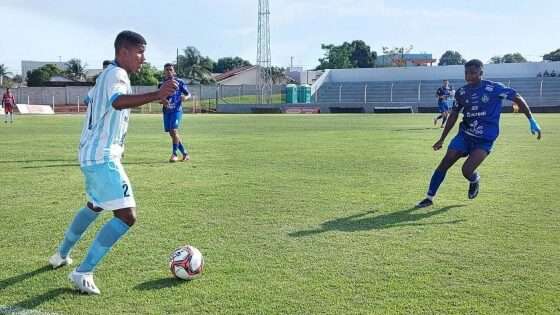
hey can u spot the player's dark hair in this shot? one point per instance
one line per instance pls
(474, 63)
(128, 39)
(106, 63)
(168, 65)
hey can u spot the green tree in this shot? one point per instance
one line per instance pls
(553, 55)
(277, 75)
(40, 76)
(361, 55)
(3, 74)
(75, 70)
(147, 75)
(228, 63)
(508, 58)
(193, 66)
(356, 54)
(450, 58)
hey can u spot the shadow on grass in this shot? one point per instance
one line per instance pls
(413, 129)
(77, 164)
(35, 161)
(15, 279)
(162, 283)
(363, 222)
(33, 302)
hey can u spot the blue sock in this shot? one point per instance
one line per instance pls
(182, 149)
(104, 241)
(81, 221)
(475, 177)
(436, 180)
(175, 148)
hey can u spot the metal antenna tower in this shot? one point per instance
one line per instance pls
(264, 70)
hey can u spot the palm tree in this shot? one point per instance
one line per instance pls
(192, 65)
(3, 73)
(75, 70)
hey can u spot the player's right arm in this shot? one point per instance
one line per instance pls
(130, 101)
(451, 121)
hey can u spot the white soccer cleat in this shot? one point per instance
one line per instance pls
(57, 261)
(83, 281)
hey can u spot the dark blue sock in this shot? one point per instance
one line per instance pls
(175, 148)
(475, 177)
(436, 180)
(182, 149)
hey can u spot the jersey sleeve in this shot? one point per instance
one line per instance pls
(439, 92)
(117, 84)
(459, 100)
(89, 96)
(505, 92)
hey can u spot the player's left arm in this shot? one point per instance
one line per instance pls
(186, 94)
(524, 108)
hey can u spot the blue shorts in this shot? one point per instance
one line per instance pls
(443, 106)
(107, 186)
(172, 120)
(466, 144)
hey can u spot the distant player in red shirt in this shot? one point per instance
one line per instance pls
(8, 102)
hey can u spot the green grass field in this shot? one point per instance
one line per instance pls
(295, 214)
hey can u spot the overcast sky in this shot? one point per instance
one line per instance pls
(49, 30)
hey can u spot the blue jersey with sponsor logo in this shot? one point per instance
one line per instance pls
(481, 106)
(175, 99)
(444, 92)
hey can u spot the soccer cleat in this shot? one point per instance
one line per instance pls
(83, 281)
(435, 121)
(57, 261)
(426, 202)
(173, 158)
(186, 157)
(473, 189)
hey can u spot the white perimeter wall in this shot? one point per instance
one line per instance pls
(505, 70)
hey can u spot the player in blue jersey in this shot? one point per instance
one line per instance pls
(173, 113)
(480, 101)
(444, 96)
(101, 146)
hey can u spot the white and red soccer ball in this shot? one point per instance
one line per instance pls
(186, 262)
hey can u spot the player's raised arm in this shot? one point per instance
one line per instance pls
(130, 101)
(533, 124)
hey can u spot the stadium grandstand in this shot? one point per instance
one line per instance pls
(413, 88)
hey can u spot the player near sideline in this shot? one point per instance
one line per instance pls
(8, 102)
(443, 94)
(480, 101)
(101, 146)
(173, 113)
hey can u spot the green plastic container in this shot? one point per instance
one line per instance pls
(304, 93)
(291, 94)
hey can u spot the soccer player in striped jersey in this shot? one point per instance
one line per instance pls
(101, 146)
(480, 101)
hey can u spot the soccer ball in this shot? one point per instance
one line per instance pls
(186, 262)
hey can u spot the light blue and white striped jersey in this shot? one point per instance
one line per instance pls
(105, 127)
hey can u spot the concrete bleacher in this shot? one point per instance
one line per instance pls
(539, 92)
